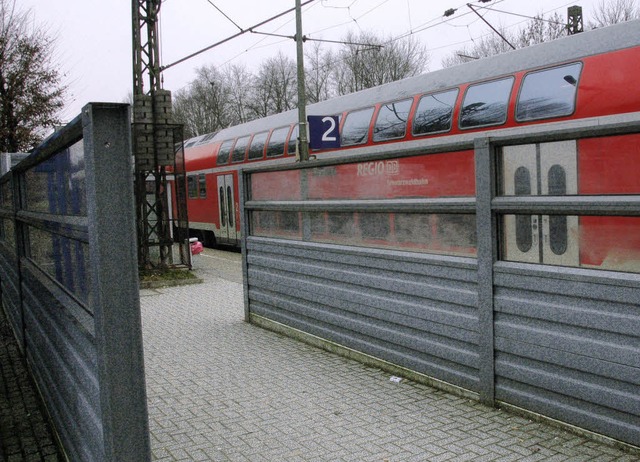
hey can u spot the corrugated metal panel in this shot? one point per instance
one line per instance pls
(62, 357)
(80, 327)
(568, 346)
(10, 292)
(417, 311)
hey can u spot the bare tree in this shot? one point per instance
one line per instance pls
(202, 107)
(318, 67)
(31, 93)
(537, 30)
(610, 12)
(368, 60)
(239, 82)
(540, 30)
(275, 87)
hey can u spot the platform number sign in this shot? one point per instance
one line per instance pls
(324, 132)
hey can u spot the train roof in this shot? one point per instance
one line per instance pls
(619, 36)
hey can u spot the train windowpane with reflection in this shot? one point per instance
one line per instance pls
(356, 127)
(293, 141)
(239, 149)
(275, 148)
(392, 119)
(548, 93)
(256, 149)
(224, 152)
(192, 186)
(486, 104)
(435, 113)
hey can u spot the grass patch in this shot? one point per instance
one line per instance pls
(165, 275)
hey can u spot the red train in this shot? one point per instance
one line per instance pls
(583, 79)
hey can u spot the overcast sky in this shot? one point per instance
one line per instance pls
(94, 36)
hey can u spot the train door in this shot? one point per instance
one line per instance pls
(541, 169)
(226, 202)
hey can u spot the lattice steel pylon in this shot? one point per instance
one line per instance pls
(157, 145)
(574, 20)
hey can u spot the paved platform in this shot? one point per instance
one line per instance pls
(25, 434)
(220, 389)
(223, 390)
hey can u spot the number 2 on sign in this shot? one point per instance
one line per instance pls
(326, 136)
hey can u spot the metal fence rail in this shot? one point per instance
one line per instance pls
(69, 283)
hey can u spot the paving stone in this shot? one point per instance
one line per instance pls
(25, 433)
(250, 394)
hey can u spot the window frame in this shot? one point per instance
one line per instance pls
(453, 111)
(231, 142)
(234, 159)
(365, 139)
(381, 106)
(539, 71)
(264, 145)
(284, 141)
(477, 84)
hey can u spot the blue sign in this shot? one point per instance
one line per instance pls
(324, 132)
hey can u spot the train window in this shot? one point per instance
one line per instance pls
(522, 187)
(223, 212)
(293, 141)
(275, 224)
(587, 241)
(256, 149)
(264, 221)
(240, 149)
(318, 223)
(341, 224)
(356, 127)
(558, 228)
(456, 231)
(202, 186)
(230, 205)
(548, 93)
(289, 221)
(192, 186)
(275, 148)
(486, 104)
(413, 228)
(374, 225)
(435, 113)
(224, 152)
(391, 122)
(207, 138)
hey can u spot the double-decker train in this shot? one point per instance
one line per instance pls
(581, 78)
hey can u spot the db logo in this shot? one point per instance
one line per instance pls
(389, 167)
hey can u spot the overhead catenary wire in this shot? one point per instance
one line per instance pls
(414, 30)
(243, 31)
(223, 14)
(306, 38)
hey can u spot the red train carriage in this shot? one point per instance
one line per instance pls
(580, 79)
